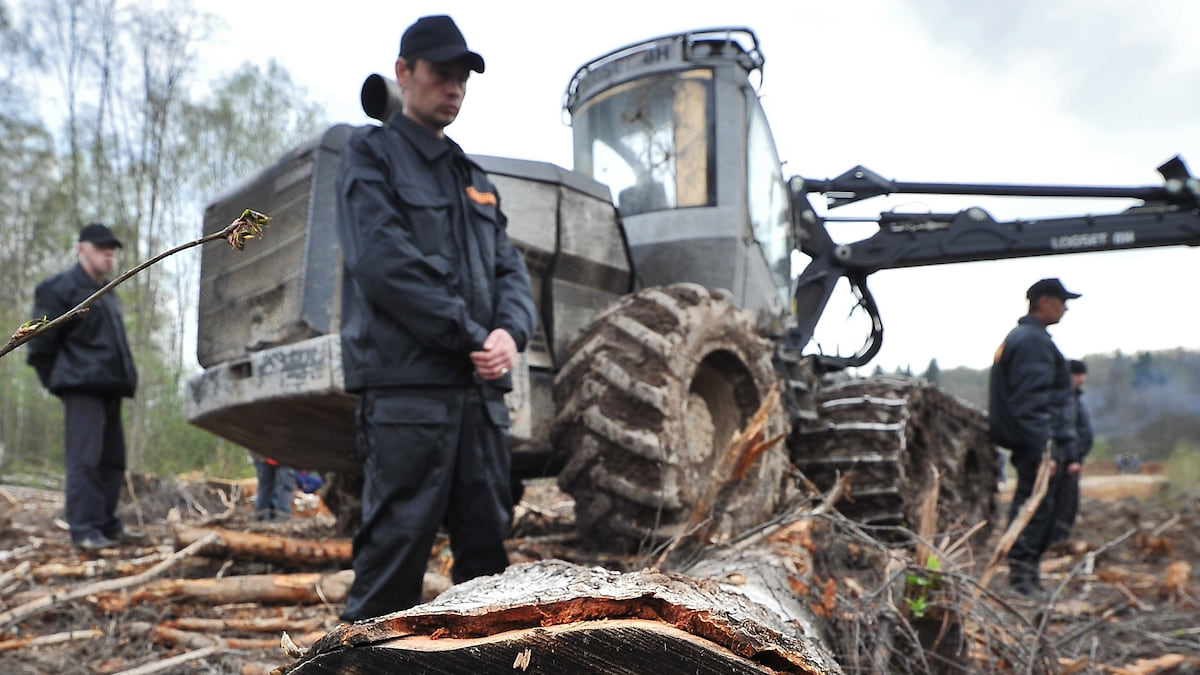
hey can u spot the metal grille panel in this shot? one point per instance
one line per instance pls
(262, 296)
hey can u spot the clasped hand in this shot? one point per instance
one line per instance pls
(497, 357)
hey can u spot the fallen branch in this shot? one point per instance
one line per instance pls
(258, 668)
(40, 605)
(927, 525)
(171, 663)
(270, 547)
(293, 589)
(95, 568)
(15, 573)
(248, 226)
(166, 635)
(54, 639)
(1041, 483)
(1161, 664)
(273, 624)
(959, 543)
(770, 528)
(13, 505)
(230, 501)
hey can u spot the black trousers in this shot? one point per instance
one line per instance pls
(1027, 551)
(94, 446)
(1067, 508)
(430, 457)
(276, 487)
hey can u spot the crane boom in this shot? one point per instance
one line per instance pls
(1169, 216)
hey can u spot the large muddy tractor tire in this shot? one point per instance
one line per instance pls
(648, 396)
(889, 434)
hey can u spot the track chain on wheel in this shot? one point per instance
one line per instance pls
(648, 394)
(888, 433)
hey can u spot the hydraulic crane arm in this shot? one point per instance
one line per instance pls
(1169, 216)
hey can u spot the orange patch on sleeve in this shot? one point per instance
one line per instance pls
(478, 197)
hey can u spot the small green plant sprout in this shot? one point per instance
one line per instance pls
(919, 583)
(917, 606)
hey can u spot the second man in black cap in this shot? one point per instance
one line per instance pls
(86, 363)
(1031, 407)
(436, 306)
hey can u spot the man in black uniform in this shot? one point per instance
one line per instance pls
(1030, 405)
(1068, 507)
(436, 305)
(86, 363)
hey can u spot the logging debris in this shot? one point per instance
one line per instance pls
(1124, 587)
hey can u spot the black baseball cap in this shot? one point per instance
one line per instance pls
(99, 235)
(1051, 287)
(438, 39)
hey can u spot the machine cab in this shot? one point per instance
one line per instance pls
(675, 129)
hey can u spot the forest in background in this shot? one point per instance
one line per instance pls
(105, 117)
(1146, 403)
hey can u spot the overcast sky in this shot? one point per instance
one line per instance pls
(1013, 91)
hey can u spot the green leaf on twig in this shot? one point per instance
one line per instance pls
(249, 226)
(29, 327)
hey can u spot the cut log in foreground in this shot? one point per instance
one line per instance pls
(554, 616)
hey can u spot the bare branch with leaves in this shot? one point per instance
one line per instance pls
(246, 227)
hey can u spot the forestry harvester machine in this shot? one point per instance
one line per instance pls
(668, 314)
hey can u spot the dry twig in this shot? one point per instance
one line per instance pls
(169, 664)
(40, 605)
(1041, 484)
(15, 573)
(54, 639)
(248, 226)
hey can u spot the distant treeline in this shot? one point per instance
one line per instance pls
(1146, 403)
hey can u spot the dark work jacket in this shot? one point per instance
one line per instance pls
(1030, 395)
(89, 353)
(1083, 427)
(429, 270)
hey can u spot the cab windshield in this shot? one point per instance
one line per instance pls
(651, 142)
(767, 198)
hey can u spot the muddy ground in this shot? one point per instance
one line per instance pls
(1126, 582)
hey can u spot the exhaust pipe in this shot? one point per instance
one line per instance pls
(380, 97)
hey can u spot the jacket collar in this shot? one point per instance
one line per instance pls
(79, 276)
(1031, 320)
(431, 147)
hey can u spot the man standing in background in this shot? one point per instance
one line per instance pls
(87, 364)
(276, 488)
(1068, 508)
(1031, 407)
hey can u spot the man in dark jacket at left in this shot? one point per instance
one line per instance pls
(87, 364)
